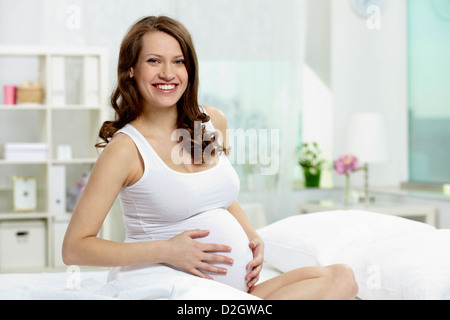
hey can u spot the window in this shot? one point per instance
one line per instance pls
(429, 91)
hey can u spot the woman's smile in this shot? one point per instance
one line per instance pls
(165, 88)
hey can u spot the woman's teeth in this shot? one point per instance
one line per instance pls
(166, 87)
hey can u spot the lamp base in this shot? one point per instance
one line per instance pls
(366, 200)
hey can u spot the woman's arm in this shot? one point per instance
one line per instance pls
(236, 210)
(114, 169)
(119, 165)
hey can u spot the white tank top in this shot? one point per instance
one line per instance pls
(165, 203)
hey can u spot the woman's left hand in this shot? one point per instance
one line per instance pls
(257, 246)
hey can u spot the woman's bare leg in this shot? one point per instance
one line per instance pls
(310, 283)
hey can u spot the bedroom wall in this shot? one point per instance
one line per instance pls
(318, 39)
(369, 74)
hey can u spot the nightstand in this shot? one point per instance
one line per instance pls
(422, 213)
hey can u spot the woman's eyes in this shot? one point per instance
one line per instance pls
(180, 61)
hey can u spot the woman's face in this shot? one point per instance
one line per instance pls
(160, 72)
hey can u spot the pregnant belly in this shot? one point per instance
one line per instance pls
(225, 229)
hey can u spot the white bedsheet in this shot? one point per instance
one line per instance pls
(93, 286)
(392, 258)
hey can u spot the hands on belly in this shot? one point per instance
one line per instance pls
(257, 246)
(193, 256)
(201, 258)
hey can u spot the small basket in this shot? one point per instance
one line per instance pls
(30, 92)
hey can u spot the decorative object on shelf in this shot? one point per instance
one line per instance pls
(346, 165)
(30, 92)
(9, 94)
(367, 139)
(64, 152)
(312, 162)
(24, 194)
(74, 192)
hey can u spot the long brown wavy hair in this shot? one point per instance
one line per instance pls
(126, 99)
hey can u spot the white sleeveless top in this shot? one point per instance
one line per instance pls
(165, 203)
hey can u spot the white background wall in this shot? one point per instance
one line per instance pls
(365, 69)
(369, 73)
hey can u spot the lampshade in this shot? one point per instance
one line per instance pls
(367, 139)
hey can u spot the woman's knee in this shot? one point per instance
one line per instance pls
(343, 280)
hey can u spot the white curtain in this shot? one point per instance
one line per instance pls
(250, 54)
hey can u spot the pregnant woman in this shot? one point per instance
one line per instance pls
(165, 157)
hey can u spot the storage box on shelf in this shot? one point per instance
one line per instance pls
(22, 244)
(49, 135)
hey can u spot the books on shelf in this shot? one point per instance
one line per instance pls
(30, 151)
(58, 189)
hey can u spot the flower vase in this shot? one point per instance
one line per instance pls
(312, 178)
(347, 189)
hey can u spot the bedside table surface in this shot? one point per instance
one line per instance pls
(426, 213)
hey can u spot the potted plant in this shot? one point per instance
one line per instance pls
(311, 161)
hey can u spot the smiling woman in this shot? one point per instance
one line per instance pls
(156, 54)
(181, 218)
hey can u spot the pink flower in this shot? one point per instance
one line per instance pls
(346, 164)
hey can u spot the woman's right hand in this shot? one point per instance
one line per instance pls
(195, 257)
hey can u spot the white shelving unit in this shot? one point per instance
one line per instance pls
(75, 86)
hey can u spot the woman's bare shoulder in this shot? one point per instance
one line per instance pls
(218, 117)
(120, 143)
(119, 160)
(121, 150)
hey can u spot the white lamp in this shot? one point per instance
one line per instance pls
(367, 140)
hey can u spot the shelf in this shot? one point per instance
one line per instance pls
(75, 107)
(55, 161)
(24, 215)
(75, 80)
(35, 215)
(22, 162)
(33, 50)
(75, 161)
(24, 106)
(32, 106)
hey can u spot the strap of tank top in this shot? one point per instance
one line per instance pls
(142, 144)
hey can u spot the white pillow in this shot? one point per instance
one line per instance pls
(320, 238)
(392, 257)
(414, 266)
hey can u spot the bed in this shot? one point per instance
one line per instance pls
(392, 258)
